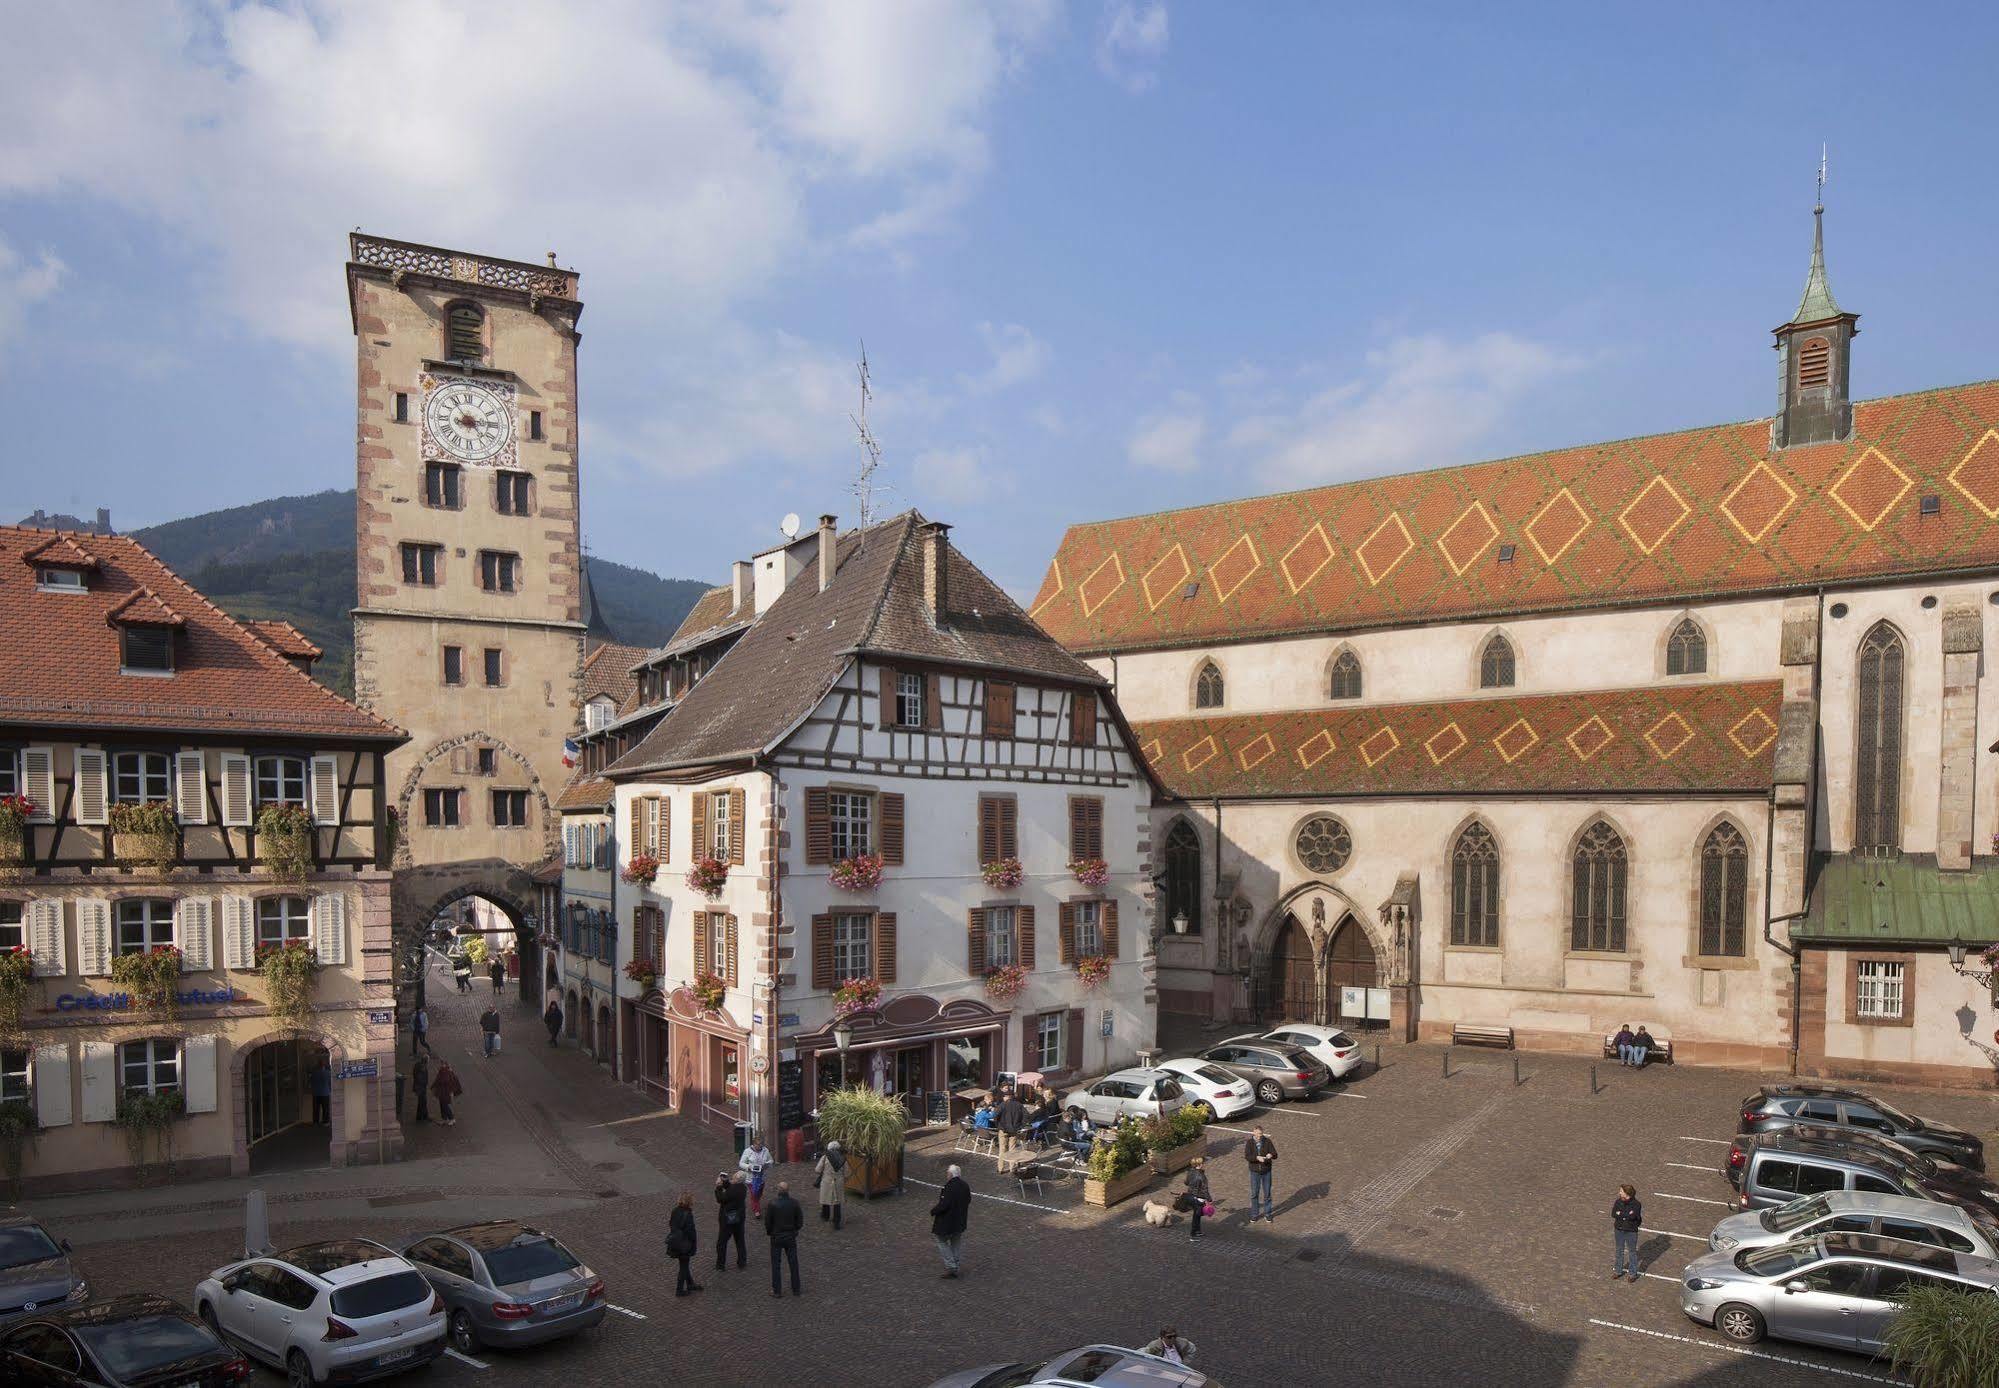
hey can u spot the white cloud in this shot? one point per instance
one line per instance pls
(1048, 419)
(1170, 441)
(23, 284)
(958, 476)
(1132, 43)
(1017, 356)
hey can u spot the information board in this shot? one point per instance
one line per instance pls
(937, 1112)
(357, 1069)
(790, 1095)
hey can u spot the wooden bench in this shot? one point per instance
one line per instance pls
(1481, 1034)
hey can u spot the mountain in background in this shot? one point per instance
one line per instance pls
(293, 558)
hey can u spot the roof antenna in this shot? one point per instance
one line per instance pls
(1819, 206)
(865, 486)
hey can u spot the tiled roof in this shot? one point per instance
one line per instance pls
(607, 671)
(144, 608)
(60, 552)
(59, 661)
(585, 792)
(284, 638)
(1702, 737)
(1703, 513)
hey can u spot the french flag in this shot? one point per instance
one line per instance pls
(570, 751)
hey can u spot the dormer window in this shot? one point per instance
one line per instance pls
(53, 580)
(148, 650)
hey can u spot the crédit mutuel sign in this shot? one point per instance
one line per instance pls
(122, 1002)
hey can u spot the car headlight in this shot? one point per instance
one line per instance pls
(79, 1290)
(1703, 1284)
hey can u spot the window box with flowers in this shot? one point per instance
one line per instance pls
(860, 873)
(1093, 969)
(1091, 872)
(152, 977)
(15, 812)
(1002, 874)
(708, 876)
(855, 996)
(1005, 981)
(17, 971)
(642, 972)
(144, 834)
(291, 977)
(709, 990)
(284, 841)
(641, 870)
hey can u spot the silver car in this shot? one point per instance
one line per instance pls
(1129, 1094)
(506, 1284)
(1837, 1289)
(1094, 1366)
(1854, 1212)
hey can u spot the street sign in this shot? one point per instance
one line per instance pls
(1107, 1022)
(787, 1019)
(357, 1069)
(381, 1019)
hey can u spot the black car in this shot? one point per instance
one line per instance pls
(36, 1272)
(1781, 1105)
(128, 1340)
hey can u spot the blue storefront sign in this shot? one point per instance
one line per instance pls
(357, 1069)
(119, 1002)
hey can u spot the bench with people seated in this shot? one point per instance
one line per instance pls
(1658, 1046)
(1482, 1034)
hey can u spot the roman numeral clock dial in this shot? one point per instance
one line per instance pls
(469, 421)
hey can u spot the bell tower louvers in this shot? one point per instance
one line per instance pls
(1814, 357)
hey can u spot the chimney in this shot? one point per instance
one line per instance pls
(829, 546)
(744, 593)
(936, 549)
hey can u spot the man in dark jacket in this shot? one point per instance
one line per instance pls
(1626, 1215)
(420, 1082)
(732, 1195)
(948, 1218)
(552, 1019)
(783, 1218)
(497, 971)
(1011, 1120)
(489, 1023)
(1261, 1154)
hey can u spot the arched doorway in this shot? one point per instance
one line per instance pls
(604, 1032)
(281, 1127)
(1350, 963)
(1293, 987)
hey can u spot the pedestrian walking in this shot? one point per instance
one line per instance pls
(754, 1162)
(1624, 1040)
(489, 1024)
(732, 1194)
(322, 1094)
(949, 1216)
(420, 1082)
(782, 1221)
(1171, 1346)
(1195, 1197)
(446, 1087)
(831, 1173)
(462, 971)
(1261, 1154)
(1012, 1122)
(420, 1031)
(552, 1019)
(497, 971)
(1626, 1214)
(682, 1242)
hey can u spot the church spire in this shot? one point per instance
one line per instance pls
(1817, 305)
(1814, 356)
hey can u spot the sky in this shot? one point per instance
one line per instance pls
(1108, 257)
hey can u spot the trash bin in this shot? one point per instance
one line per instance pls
(742, 1138)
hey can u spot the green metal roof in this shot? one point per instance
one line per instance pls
(1818, 303)
(1901, 899)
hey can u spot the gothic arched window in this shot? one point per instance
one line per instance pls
(1208, 686)
(1495, 664)
(1686, 649)
(1877, 752)
(464, 331)
(1724, 891)
(1183, 875)
(1597, 905)
(1345, 681)
(1475, 888)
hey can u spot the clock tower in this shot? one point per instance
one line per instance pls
(469, 627)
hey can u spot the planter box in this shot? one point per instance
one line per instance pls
(869, 1179)
(133, 848)
(1174, 1159)
(1108, 1193)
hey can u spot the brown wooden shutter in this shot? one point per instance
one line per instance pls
(1065, 915)
(890, 805)
(729, 947)
(697, 824)
(663, 828)
(1072, 1054)
(975, 942)
(638, 838)
(1023, 937)
(1110, 929)
(1076, 829)
(822, 953)
(659, 940)
(885, 947)
(1083, 719)
(1030, 1054)
(888, 698)
(702, 963)
(818, 826)
(999, 709)
(1089, 810)
(933, 704)
(989, 830)
(1009, 827)
(736, 834)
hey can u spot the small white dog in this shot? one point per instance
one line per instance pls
(1158, 1215)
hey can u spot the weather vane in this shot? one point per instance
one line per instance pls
(1821, 197)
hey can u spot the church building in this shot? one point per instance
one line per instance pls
(1688, 730)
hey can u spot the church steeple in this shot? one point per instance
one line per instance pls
(1814, 354)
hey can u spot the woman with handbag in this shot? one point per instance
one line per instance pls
(1195, 1197)
(681, 1242)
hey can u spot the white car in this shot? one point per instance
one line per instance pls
(1208, 1083)
(1858, 1212)
(346, 1308)
(1330, 1046)
(1129, 1093)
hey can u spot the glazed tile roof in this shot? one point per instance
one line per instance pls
(1699, 737)
(284, 638)
(59, 661)
(1703, 513)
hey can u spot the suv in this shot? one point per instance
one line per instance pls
(1330, 1046)
(1822, 1159)
(348, 1309)
(1278, 1072)
(1838, 1289)
(36, 1271)
(1129, 1094)
(1780, 1105)
(126, 1341)
(1850, 1212)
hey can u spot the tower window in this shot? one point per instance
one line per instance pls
(499, 573)
(420, 564)
(402, 407)
(493, 666)
(534, 424)
(454, 665)
(441, 808)
(1814, 363)
(510, 809)
(442, 485)
(510, 493)
(465, 332)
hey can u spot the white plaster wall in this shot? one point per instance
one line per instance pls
(1949, 1012)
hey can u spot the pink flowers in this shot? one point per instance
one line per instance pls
(1093, 969)
(1002, 874)
(641, 870)
(707, 876)
(855, 996)
(709, 990)
(16, 808)
(1005, 981)
(1091, 872)
(861, 873)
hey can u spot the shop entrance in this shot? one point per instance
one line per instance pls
(278, 1108)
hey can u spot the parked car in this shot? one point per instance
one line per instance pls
(36, 1271)
(1092, 1366)
(1781, 1105)
(1223, 1091)
(128, 1340)
(1851, 1212)
(1278, 1072)
(506, 1284)
(1765, 1167)
(1330, 1046)
(346, 1308)
(1134, 1093)
(1837, 1289)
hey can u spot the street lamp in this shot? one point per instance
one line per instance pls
(843, 1037)
(1179, 922)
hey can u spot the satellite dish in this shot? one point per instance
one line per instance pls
(789, 525)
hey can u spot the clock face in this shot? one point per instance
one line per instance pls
(469, 421)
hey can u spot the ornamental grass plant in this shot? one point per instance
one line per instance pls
(867, 1125)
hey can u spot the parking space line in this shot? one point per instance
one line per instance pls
(466, 1358)
(1003, 1199)
(1689, 1166)
(1672, 1233)
(1750, 1353)
(1293, 1112)
(1658, 1277)
(1220, 1128)
(1692, 1199)
(1717, 1141)
(635, 1315)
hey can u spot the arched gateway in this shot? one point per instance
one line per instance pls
(1317, 957)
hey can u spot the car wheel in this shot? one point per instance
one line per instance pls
(464, 1338)
(1742, 1324)
(1269, 1092)
(208, 1319)
(298, 1371)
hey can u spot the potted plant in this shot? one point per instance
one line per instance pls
(15, 812)
(1118, 1169)
(152, 977)
(1002, 874)
(144, 834)
(148, 1122)
(707, 876)
(17, 1134)
(291, 976)
(1173, 1142)
(641, 972)
(869, 1128)
(1944, 1337)
(17, 971)
(641, 870)
(860, 873)
(1093, 969)
(1091, 872)
(855, 996)
(284, 841)
(709, 990)
(1005, 981)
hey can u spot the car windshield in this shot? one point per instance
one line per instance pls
(1214, 1074)
(1790, 1215)
(128, 1349)
(524, 1261)
(25, 1243)
(1896, 1116)
(1013, 1375)
(380, 1295)
(1775, 1262)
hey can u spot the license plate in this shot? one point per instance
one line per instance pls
(562, 1303)
(395, 1356)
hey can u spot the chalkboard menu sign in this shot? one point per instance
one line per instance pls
(938, 1114)
(790, 1094)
